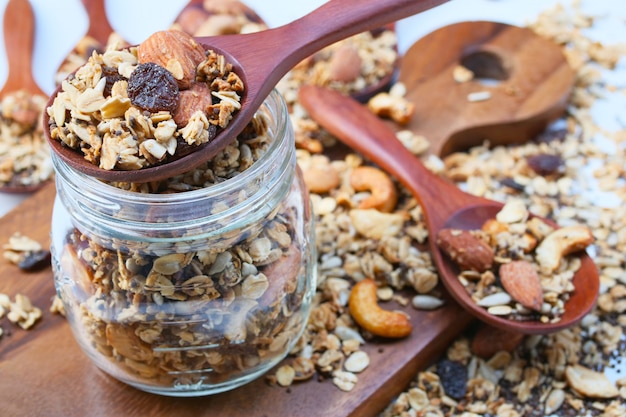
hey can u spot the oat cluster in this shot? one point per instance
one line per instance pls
(24, 152)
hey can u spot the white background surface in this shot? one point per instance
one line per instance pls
(61, 23)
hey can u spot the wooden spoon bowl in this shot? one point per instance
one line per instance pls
(19, 33)
(261, 59)
(444, 204)
(527, 78)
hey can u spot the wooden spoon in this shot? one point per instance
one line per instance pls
(19, 35)
(444, 204)
(99, 31)
(526, 76)
(261, 59)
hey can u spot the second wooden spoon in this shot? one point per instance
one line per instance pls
(261, 59)
(444, 204)
(19, 33)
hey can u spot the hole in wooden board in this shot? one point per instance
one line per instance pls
(488, 67)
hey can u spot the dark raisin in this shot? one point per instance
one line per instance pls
(453, 376)
(545, 164)
(112, 77)
(35, 260)
(151, 87)
(511, 183)
(551, 136)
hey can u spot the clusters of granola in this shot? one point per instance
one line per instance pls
(571, 372)
(136, 107)
(24, 152)
(574, 371)
(83, 50)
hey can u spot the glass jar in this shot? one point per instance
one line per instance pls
(195, 292)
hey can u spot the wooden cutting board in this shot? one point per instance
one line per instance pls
(43, 372)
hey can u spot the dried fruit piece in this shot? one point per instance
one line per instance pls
(365, 310)
(153, 88)
(465, 249)
(112, 76)
(453, 376)
(545, 164)
(175, 51)
(521, 281)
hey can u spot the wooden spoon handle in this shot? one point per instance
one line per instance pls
(19, 35)
(99, 26)
(364, 132)
(276, 51)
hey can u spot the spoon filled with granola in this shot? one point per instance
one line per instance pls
(24, 154)
(509, 268)
(159, 109)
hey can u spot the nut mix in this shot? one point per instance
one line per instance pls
(516, 266)
(24, 152)
(136, 107)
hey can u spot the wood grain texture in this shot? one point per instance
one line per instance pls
(43, 372)
(19, 35)
(527, 76)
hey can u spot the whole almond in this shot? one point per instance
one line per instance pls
(196, 98)
(345, 64)
(174, 50)
(465, 249)
(520, 280)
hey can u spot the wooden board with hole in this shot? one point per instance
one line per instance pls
(44, 372)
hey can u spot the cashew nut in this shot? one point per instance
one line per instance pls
(560, 243)
(321, 180)
(384, 195)
(397, 108)
(365, 310)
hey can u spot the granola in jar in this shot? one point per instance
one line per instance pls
(195, 284)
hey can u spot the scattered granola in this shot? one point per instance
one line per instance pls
(20, 311)
(565, 373)
(24, 152)
(357, 66)
(26, 252)
(139, 106)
